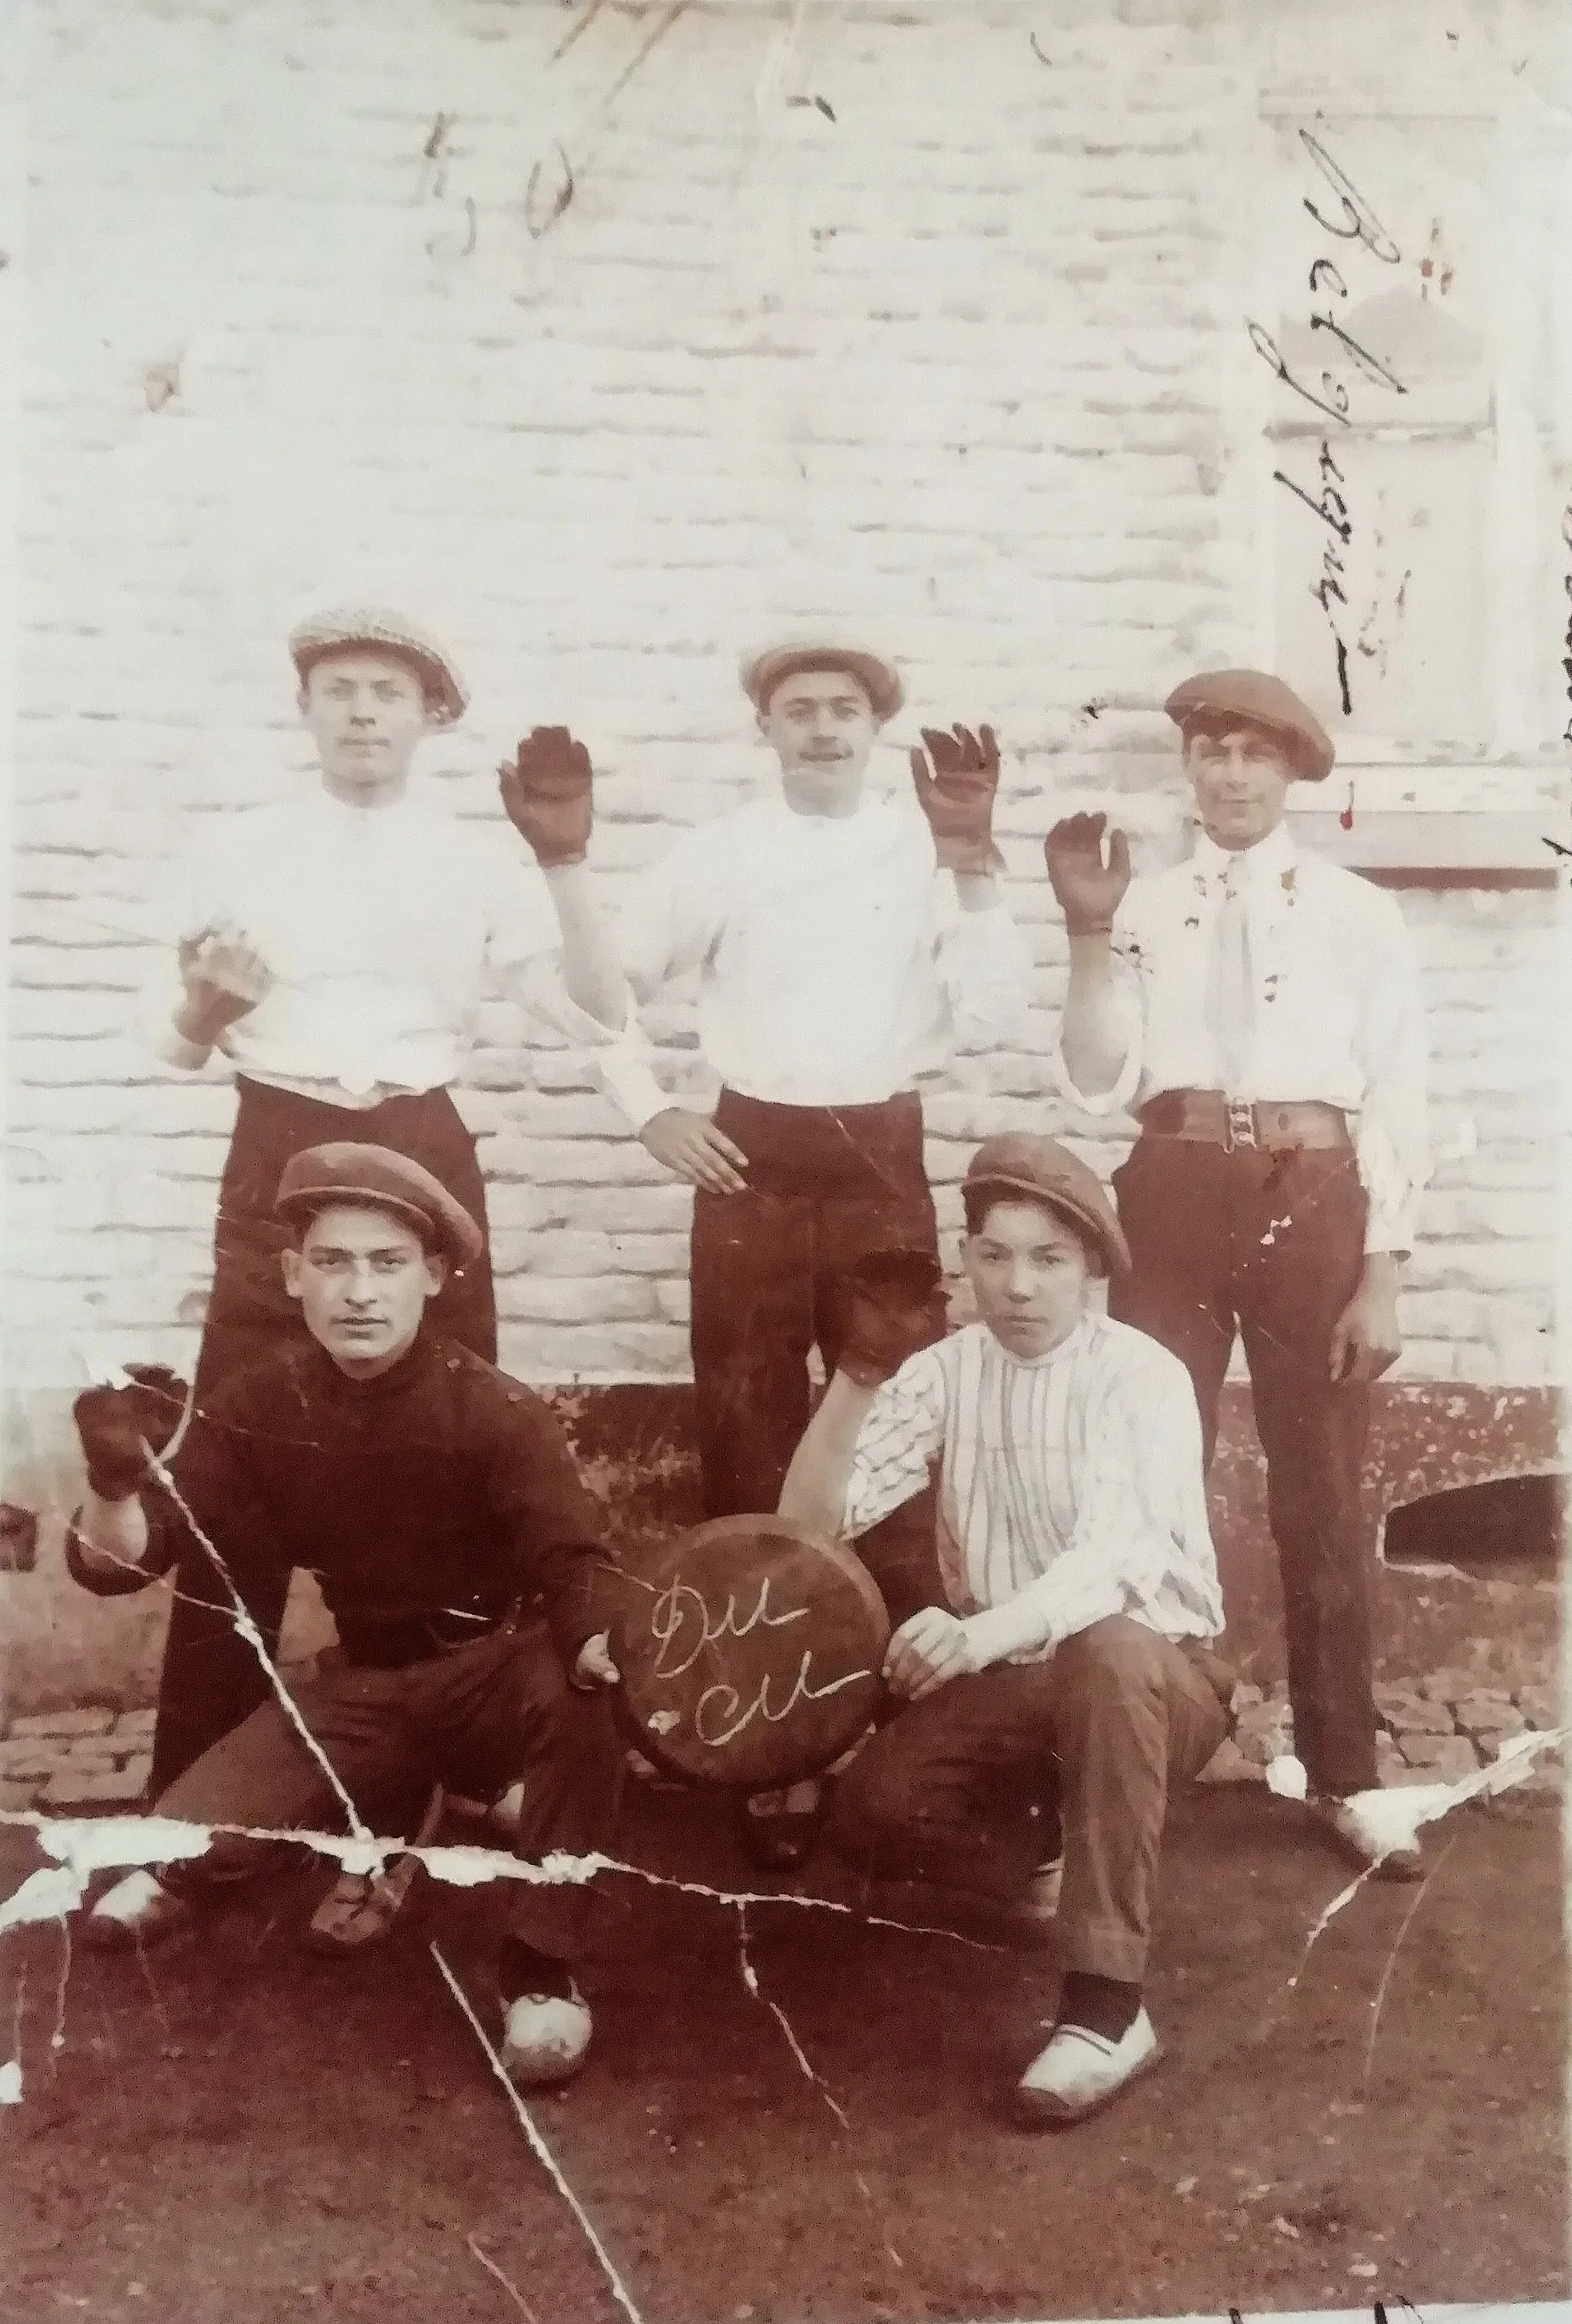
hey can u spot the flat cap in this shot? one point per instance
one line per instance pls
(761, 673)
(1251, 697)
(1018, 1162)
(376, 1178)
(377, 630)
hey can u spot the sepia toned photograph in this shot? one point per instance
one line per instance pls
(783, 1287)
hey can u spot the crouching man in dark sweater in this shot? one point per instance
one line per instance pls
(434, 1501)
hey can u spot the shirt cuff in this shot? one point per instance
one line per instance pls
(1390, 1188)
(626, 1073)
(1100, 1104)
(173, 1048)
(1000, 1631)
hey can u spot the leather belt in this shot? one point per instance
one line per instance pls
(1208, 1117)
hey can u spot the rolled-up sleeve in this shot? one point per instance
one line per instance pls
(985, 964)
(901, 1435)
(1392, 1136)
(1129, 1016)
(524, 953)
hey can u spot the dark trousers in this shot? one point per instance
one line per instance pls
(1272, 1245)
(825, 1185)
(959, 1789)
(478, 1719)
(211, 1678)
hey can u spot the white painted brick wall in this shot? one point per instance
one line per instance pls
(965, 363)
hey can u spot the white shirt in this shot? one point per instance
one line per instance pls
(1071, 1486)
(1337, 1016)
(380, 926)
(835, 966)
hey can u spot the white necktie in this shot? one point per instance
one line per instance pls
(1230, 985)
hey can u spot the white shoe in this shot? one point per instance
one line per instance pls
(137, 1911)
(544, 2039)
(1080, 2070)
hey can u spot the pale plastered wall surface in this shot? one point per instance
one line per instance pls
(607, 338)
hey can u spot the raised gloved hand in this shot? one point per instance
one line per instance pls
(546, 793)
(114, 1423)
(893, 1305)
(956, 796)
(1089, 892)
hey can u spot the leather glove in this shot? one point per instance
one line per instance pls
(957, 796)
(1088, 893)
(546, 793)
(113, 1423)
(893, 1305)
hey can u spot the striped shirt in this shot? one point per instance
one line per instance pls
(1071, 1486)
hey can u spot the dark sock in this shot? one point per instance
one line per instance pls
(521, 1969)
(1103, 2004)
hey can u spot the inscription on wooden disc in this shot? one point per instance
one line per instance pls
(750, 1654)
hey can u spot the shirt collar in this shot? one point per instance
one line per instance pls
(350, 816)
(1275, 854)
(335, 1387)
(1070, 1345)
(865, 807)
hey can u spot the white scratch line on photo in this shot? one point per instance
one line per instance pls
(541, 2150)
(1395, 1816)
(808, 2072)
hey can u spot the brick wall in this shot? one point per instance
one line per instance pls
(956, 352)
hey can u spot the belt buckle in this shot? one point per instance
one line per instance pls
(1241, 1127)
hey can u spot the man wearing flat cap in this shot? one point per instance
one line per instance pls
(1258, 1010)
(1072, 1677)
(434, 1500)
(335, 951)
(837, 970)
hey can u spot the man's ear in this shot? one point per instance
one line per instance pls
(288, 1259)
(761, 721)
(435, 1272)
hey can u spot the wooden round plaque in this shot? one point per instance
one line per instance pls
(750, 1653)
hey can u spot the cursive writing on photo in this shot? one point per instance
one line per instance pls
(732, 1717)
(679, 1604)
(1323, 493)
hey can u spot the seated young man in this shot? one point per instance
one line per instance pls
(433, 1498)
(1075, 1668)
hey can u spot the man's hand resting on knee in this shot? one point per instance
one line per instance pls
(931, 1647)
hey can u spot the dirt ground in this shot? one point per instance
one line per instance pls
(235, 2133)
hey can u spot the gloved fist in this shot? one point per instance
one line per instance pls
(893, 1305)
(1089, 893)
(547, 794)
(116, 1423)
(956, 796)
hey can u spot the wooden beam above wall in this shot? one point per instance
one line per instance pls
(1417, 849)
